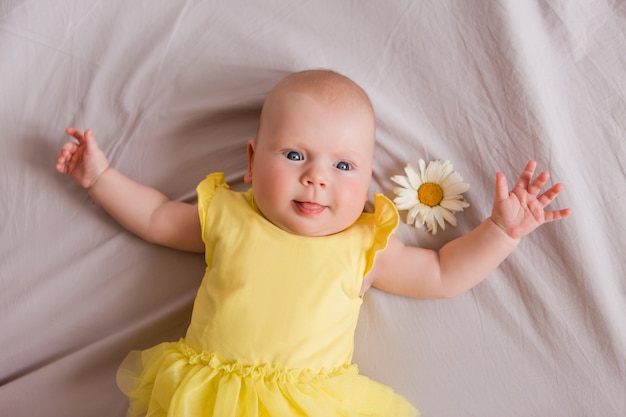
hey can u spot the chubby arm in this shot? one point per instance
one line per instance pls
(142, 210)
(464, 262)
(455, 268)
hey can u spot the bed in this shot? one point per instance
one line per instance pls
(173, 91)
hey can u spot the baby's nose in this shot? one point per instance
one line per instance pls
(315, 176)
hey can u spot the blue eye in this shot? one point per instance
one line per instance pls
(344, 166)
(293, 155)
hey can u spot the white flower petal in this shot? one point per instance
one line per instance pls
(405, 199)
(401, 180)
(422, 214)
(433, 172)
(448, 216)
(446, 170)
(452, 177)
(455, 189)
(404, 205)
(453, 204)
(437, 213)
(422, 166)
(431, 225)
(412, 216)
(405, 192)
(414, 178)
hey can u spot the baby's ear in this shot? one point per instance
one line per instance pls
(248, 177)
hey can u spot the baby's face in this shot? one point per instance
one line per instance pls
(311, 164)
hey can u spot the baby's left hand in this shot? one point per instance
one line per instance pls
(522, 210)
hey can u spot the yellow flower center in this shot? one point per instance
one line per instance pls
(430, 194)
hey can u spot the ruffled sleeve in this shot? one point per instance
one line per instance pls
(206, 191)
(386, 220)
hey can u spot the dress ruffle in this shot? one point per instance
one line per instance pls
(208, 188)
(267, 372)
(386, 219)
(174, 380)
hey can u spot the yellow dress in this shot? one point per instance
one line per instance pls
(272, 328)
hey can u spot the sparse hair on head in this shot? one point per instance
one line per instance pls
(328, 83)
(323, 83)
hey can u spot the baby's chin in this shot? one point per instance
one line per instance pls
(321, 224)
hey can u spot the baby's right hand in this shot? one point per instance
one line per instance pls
(83, 161)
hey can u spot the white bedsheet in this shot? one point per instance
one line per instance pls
(172, 90)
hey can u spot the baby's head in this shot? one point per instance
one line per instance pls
(311, 163)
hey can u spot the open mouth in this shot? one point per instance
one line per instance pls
(308, 208)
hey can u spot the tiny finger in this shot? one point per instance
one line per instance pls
(89, 138)
(550, 194)
(551, 216)
(535, 186)
(76, 134)
(69, 147)
(524, 179)
(502, 189)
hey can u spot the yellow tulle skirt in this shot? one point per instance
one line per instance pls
(172, 379)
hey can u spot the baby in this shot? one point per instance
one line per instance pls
(289, 260)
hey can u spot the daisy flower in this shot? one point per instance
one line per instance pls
(431, 195)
